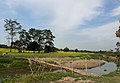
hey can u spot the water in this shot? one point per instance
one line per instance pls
(107, 68)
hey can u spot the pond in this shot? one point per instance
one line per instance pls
(107, 68)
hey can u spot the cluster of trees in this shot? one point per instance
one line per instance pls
(66, 49)
(118, 43)
(3, 46)
(33, 39)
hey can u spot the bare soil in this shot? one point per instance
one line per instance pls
(75, 63)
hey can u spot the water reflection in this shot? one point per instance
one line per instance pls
(104, 69)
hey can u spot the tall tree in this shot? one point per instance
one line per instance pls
(44, 38)
(48, 37)
(48, 40)
(118, 34)
(36, 36)
(12, 27)
(24, 38)
(118, 43)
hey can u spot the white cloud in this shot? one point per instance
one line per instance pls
(102, 37)
(71, 13)
(65, 15)
(116, 11)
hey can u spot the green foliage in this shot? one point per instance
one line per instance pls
(2, 66)
(33, 46)
(12, 27)
(3, 46)
(39, 78)
(40, 39)
(5, 60)
(11, 63)
(19, 64)
(66, 49)
(31, 79)
(76, 50)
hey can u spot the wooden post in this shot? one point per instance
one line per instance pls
(86, 64)
(72, 69)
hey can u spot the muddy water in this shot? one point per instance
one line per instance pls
(107, 68)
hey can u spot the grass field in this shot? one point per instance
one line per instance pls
(15, 68)
(42, 54)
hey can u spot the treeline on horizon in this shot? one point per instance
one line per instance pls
(66, 49)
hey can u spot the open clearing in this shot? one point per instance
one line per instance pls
(14, 67)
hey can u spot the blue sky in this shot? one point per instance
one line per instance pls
(82, 24)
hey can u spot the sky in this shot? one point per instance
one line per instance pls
(81, 24)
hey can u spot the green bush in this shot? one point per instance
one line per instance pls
(31, 79)
(5, 60)
(2, 67)
(19, 64)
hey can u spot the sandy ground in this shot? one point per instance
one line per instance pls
(75, 63)
(72, 80)
(82, 64)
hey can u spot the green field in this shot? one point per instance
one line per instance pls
(14, 67)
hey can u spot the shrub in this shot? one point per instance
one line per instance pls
(66, 49)
(5, 60)
(19, 64)
(76, 50)
(2, 66)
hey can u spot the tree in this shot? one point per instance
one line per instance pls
(3, 46)
(17, 44)
(118, 46)
(48, 38)
(118, 35)
(118, 32)
(47, 49)
(33, 46)
(23, 42)
(12, 27)
(37, 35)
(118, 43)
(66, 49)
(41, 38)
(24, 38)
(44, 38)
(76, 50)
